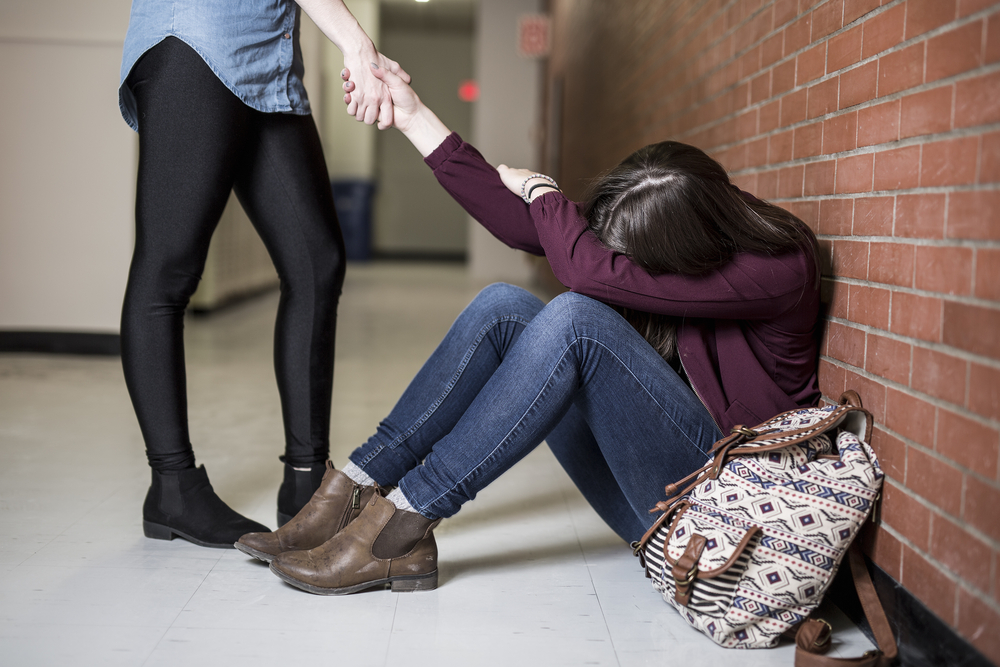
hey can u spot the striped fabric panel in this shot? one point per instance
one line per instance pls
(711, 597)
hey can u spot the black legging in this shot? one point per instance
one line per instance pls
(198, 141)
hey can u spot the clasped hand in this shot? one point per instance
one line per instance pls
(403, 110)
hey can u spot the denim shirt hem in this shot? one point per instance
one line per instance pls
(126, 101)
(251, 46)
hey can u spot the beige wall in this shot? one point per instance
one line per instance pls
(505, 122)
(412, 213)
(67, 165)
(348, 144)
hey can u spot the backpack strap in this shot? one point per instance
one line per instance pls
(813, 636)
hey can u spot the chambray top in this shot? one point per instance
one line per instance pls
(251, 45)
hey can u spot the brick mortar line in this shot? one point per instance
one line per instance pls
(959, 353)
(953, 298)
(918, 140)
(665, 60)
(925, 190)
(958, 132)
(972, 244)
(936, 511)
(968, 587)
(956, 23)
(692, 10)
(739, 54)
(988, 422)
(988, 68)
(958, 466)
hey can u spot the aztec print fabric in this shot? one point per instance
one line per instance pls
(765, 536)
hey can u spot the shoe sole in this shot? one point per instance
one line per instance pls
(250, 551)
(400, 584)
(158, 531)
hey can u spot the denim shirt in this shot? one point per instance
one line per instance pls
(251, 45)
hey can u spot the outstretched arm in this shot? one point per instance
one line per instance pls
(409, 115)
(459, 167)
(426, 132)
(370, 100)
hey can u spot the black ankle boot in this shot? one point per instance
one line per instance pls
(182, 503)
(296, 490)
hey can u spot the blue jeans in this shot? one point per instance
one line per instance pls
(512, 372)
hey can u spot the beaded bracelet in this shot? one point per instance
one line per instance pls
(525, 197)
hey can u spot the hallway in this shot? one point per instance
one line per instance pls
(529, 574)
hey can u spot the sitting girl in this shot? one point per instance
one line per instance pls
(692, 308)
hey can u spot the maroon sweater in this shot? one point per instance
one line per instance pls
(747, 338)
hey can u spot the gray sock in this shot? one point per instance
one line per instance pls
(397, 498)
(358, 475)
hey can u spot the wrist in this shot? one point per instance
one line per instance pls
(539, 189)
(536, 185)
(425, 130)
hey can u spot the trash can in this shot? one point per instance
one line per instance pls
(353, 199)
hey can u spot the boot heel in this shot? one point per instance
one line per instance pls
(427, 582)
(156, 531)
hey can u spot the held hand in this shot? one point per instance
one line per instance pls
(369, 99)
(520, 181)
(401, 103)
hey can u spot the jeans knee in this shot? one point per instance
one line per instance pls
(570, 307)
(501, 300)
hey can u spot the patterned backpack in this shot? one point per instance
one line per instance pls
(747, 549)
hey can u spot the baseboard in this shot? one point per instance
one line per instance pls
(924, 639)
(60, 342)
(417, 256)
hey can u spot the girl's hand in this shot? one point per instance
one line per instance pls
(368, 98)
(403, 103)
(515, 179)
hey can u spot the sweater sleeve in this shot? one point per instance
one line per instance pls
(750, 286)
(476, 186)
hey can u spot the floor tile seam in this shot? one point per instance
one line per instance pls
(392, 626)
(83, 624)
(97, 504)
(115, 568)
(183, 607)
(593, 584)
(155, 646)
(35, 552)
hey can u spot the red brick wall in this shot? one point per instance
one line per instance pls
(878, 123)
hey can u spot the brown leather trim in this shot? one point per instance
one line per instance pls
(663, 517)
(802, 434)
(682, 507)
(685, 569)
(740, 548)
(851, 398)
(725, 441)
(810, 642)
(707, 574)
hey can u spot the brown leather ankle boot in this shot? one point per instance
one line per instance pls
(337, 502)
(382, 546)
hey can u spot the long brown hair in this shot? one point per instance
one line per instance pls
(671, 208)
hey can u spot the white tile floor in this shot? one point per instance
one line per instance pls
(529, 574)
